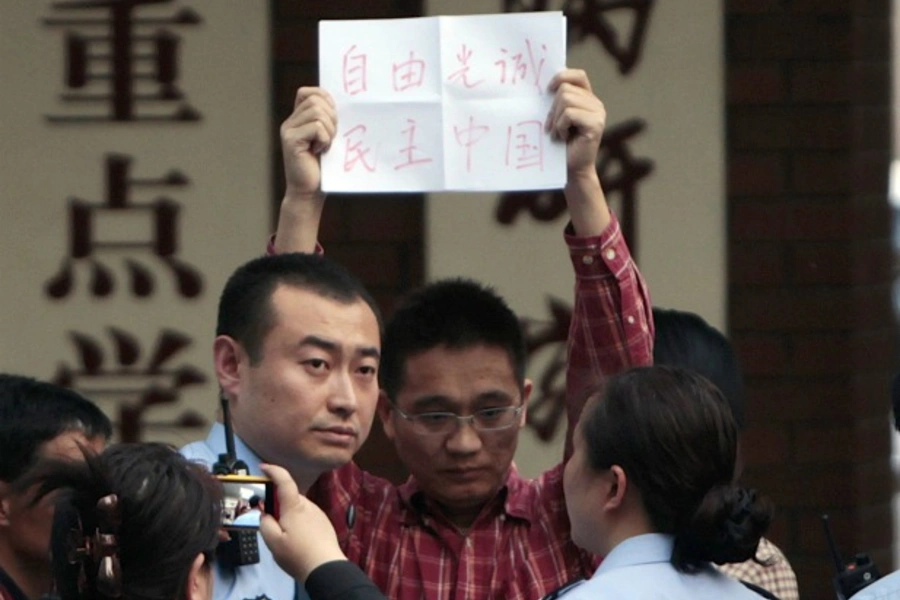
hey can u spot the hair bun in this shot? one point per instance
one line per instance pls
(725, 528)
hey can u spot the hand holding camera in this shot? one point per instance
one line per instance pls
(302, 538)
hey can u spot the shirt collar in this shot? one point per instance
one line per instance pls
(639, 550)
(518, 500)
(511, 499)
(216, 441)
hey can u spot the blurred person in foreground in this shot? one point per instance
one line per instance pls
(140, 521)
(37, 420)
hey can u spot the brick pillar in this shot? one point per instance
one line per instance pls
(810, 268)
(378, 237)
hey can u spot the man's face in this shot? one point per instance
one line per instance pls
(465, 468)
(309, 402)
(26, 528)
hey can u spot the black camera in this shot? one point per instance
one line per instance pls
(245, 499)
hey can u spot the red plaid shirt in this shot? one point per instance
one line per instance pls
(519, 547)
(774, 574)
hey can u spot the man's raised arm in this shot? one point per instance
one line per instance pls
(304, 136)
(612, 324)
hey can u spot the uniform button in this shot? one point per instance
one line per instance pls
(587, 260)
(610, 254)
(630, 320)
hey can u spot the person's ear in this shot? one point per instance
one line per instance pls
(385, 408)
(5, 504)
(527, 388)
(199, 581)
(228, 356)
(618, 486)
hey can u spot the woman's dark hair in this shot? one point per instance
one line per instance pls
(168, 510)
(673, 434)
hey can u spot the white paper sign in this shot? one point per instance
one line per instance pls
(443, 103)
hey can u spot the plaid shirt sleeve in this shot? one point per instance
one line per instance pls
(774, 575)
(270, 247)
(612, 321)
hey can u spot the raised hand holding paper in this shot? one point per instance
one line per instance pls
(443, 103)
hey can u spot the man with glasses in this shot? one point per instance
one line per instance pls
(454, 394)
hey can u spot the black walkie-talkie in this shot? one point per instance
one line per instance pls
(242, 547)
(850, 577)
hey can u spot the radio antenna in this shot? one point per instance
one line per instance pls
(229, 432)
(835, 554)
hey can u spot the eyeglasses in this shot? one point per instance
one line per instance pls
(486, 419)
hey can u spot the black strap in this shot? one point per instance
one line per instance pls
(761, 591)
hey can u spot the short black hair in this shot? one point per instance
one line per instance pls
(254, 501)
(34, 412)
(456, 313)
(684, 339)
(245, 307)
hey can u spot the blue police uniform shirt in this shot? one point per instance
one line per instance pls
(264, 579)
(886, 588)
(641, 567)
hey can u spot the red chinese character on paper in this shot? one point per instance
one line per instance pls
(354, 72)
(518, 67)
(621, 174)
(409, 73)
(468, 137)
(525, 147)
(356, 151)
(410, 149)
(462, 74)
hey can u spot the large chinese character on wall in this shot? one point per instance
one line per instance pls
(120, 64)
(138, 191)
(94, 241)
(131, 385)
